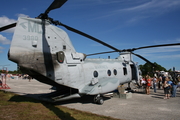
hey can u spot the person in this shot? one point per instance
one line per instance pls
(174, 89)
(0, 80)
(143, 83)
(163, 80)
(154, 83)
(159, 82)
(166, 86)
(140, 80)
(3, 76)
(148, 84)
(29, 77)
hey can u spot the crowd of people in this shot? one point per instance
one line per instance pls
(5, 76)
(162, 82)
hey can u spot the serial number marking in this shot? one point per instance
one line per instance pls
(29, 37)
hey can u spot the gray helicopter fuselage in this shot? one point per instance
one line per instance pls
(40, 48)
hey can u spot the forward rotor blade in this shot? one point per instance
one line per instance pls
(162, 45)
(88, 36)
(54, 5)
(143, 59)
(7, 27)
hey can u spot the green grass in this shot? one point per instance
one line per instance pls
(16, 107)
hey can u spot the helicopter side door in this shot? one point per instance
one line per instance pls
(126, 74)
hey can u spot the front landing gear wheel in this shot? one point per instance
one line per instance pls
(98, 100)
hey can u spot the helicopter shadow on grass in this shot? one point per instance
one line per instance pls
(32, 98)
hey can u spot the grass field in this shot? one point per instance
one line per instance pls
(16, 107)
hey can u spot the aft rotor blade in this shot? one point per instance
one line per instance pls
(7, 27)
(101, 53)
(162, 45)
(88, 36)
(54, 5)
(143, 58)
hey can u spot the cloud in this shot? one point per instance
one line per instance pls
(21, 15)
(153, 6)
(6, 21)
(169, 48)
(169, 56)
(150, 9)
(134, 11)
(4, 40)
(169, 41)
(162, 52)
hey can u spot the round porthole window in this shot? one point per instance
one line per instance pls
(115, 72)
(95, 74)
(109, 73)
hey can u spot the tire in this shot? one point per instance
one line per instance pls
(100, 101)
(95, 99)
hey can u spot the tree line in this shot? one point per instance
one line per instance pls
(148, 69)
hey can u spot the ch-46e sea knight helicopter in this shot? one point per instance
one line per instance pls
(46, 53)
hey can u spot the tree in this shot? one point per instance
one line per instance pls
(148, 69)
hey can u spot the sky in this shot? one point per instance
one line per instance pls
(123, 24)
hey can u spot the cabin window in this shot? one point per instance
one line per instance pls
(115, 72)
(109, 72)
(125, 71)
(95, 74)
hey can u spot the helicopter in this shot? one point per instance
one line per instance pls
(46, 53)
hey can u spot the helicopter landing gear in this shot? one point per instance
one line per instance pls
(129, 86)
(98, 99)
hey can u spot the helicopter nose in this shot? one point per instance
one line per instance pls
(12, 56)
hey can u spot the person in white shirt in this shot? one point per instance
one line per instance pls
(154, 83)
